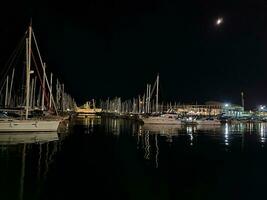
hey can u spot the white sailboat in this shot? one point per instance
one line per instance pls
(171, 119)
(158, 119)
(30, 125)
(208, 122)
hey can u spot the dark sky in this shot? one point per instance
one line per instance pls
(107, 48)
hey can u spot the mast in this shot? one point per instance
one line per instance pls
(34, 93)
(57, 93)
(46, 80)
(146, 98)
(157, 95)
(6, 97)
(43, 87)
(31, 93)
(11, 85)
(62, 97)
(28, 68)
(149, 98)
(50, 96)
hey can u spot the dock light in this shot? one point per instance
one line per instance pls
(226, 105)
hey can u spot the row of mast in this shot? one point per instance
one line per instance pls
(63, 100)
(143, 104)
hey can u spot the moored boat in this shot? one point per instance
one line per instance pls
(171, 119)
(208, 121)
(26, 123)
(29, 125)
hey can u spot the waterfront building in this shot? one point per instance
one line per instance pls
(211, 108)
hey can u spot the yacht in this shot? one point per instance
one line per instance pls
(208, 121)
(27, 124)
(171, 119)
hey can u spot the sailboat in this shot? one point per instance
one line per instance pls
(30, 124)
(158, 118)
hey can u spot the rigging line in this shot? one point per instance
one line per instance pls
(42, 64)
(39, 76)
(3, 85)
(154, 86)
(12, 58)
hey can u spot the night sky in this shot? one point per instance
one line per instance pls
(107, 48)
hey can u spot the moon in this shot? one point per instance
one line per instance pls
(219, 21)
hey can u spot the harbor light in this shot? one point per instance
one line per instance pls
(226, 105)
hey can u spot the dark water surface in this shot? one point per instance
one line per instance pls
(105, 158)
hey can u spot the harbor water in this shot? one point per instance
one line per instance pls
(108, 158)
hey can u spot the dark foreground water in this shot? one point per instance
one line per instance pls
(119, 159)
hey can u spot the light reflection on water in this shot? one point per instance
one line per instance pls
(148, 136)
(26, 159)
(21, 156)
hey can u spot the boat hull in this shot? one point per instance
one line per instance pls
(27, 137)
(162, 121)
(208, 122)
(29, 126)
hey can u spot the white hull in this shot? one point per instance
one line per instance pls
(29, 125)
(208, 122)
(27, 138)
(161, 120)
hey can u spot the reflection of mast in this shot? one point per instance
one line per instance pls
(46, 159)
(39, 168)
(22, 172)
(39, 160)
(157, 150)
(147, 147)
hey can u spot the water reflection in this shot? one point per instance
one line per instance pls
(88, 123)
(229, 135)
(117, 154)
(149, 138)
(224, 134)
(27, 138)
(24, 157)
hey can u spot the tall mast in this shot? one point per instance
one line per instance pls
(11, 85)
(157, 95)
(34, 93)
(62, 98)
(43, 87)
(31, 93)
(6, 97)
(51, 86)
(28, 69)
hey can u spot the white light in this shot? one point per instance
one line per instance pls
(226, 105)
(219, 21)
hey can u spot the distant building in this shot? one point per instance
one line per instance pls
(211, 108)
